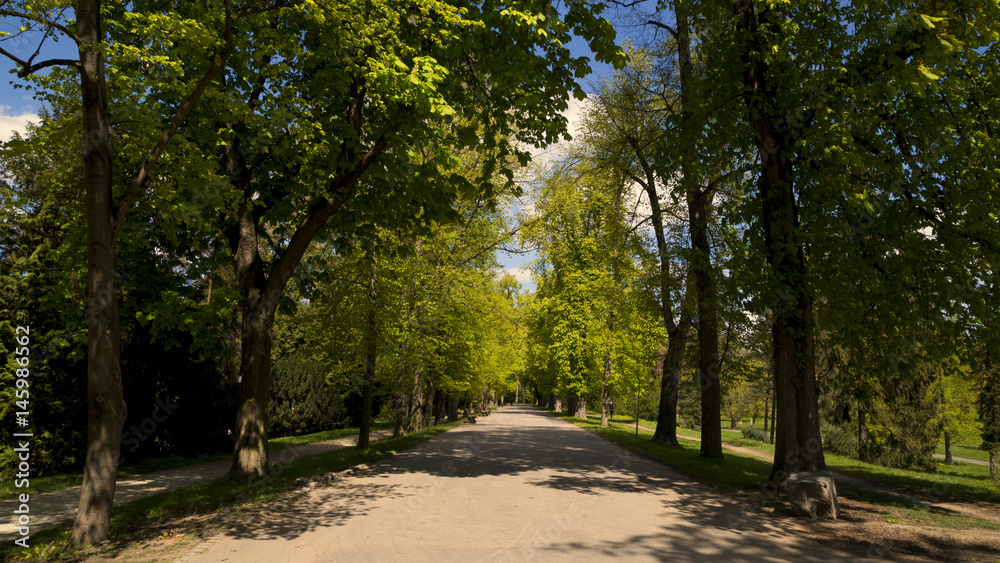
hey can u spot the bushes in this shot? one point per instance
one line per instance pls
(301, 400)
(838, 441)
(753, 433)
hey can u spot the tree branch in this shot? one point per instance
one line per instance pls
(140, 177)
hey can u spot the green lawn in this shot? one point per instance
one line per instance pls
(962, 481)
(63, 480)
(153, 516)
(968, 451)
(745, 474)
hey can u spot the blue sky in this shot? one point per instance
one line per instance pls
(17, 106)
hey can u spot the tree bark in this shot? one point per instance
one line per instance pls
(863, 450)
(767, 405)
(699, 201)
(947, 449)
(558, 404)
(994, 466)
(250, 458)
(606, 389)
(371, 351)
(578, 406)
(453, 407)
(106, 410)
(672, 367)
(798, 444)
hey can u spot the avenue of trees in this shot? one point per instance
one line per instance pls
(790, 211)
(237, 219)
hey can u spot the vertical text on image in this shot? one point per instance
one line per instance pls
(22, 412)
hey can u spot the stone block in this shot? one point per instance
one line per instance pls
(813, 494)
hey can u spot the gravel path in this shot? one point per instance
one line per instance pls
(518, 485)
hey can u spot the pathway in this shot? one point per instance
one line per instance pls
(518, 485)
(54, 507)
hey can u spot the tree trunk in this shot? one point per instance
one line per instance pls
(798, 444)
(250, 460)
(559, 404)
(994, 467)
(672, 366)
(453, 407)
(606, 390)
(863, 449)
(774, 406)
(439, 410)
(371, 350)
(947, 449)
(767, 403)
(578, 406)
(732, 419)
(699, 201)
(106, 410)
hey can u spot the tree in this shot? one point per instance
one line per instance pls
(105, 216)
(411, 84)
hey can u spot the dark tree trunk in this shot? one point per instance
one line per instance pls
(550, 403)
(947, 449)
(250, 454)
(250, 459)
(606, 389)
(672, 366)
(578, 406)
(732, 419)
(994, 466)
(774, 405)
(798, 444)
(767, 404)
(439, 410)
(453, 407)
(863, 449)
(371, 350)
(106, 408)
(699, 201)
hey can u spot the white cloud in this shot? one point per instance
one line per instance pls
(11, 123)
(574, 115)
(522, 275)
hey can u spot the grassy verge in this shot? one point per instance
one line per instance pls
(961, 481)
(155, 516)
(967, 451)
(744, 474)
(63, 480)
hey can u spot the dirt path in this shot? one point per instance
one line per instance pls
(54, 507)
(518, 485)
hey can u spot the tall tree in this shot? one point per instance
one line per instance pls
(105, 217)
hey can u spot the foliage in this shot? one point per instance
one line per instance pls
(840, 442)
(751, 432)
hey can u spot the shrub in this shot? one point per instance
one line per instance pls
(838, 441)
(753, 433)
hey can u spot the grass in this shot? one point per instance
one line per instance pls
(150, 518)
(967, 451)
(746, 474)
(64, 480)
(961, 481)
